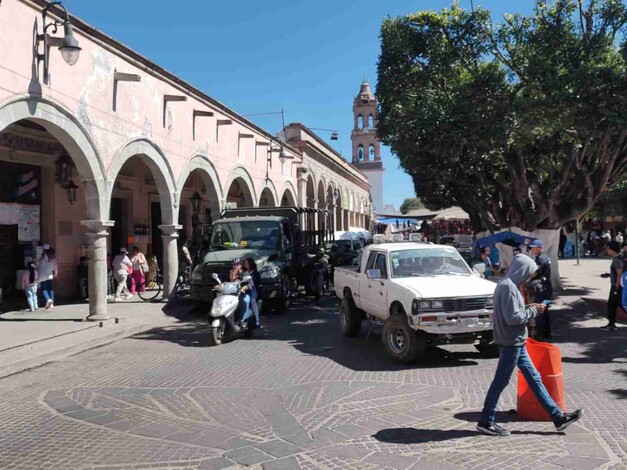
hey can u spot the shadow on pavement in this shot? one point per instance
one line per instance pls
(311, 329)
(416, 436)
(620, 393)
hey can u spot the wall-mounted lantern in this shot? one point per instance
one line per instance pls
(67, 45)
(71, 192)
(196, 200)
(64, 170)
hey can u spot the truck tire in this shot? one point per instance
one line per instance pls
(487, 347)
(350, 319)
(403, 344)
(283, 303)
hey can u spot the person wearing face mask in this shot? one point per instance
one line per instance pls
(510, 319)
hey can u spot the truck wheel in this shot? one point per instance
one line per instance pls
(216, 335)
(487, 347)
(350, 320)
(401, 342)
(283, 303)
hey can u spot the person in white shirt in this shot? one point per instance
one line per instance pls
(619, 238)
(48, 269)
(121, 267)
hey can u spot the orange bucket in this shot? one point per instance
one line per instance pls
(548, 360)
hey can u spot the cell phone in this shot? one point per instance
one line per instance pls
(547, 302)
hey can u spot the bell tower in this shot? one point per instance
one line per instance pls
(366, 146)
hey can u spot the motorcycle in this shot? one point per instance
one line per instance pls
(227, 308)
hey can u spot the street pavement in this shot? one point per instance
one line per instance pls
(299, 395)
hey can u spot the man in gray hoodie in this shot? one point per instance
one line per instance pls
(510, 319)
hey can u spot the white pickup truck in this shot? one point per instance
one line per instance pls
(425, 294)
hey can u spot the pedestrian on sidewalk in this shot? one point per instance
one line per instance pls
(510, 319)
(81, 277)
(30, 284)
(140, 267)
(542, 287)
(48, 270)
(614, 301)
(122, 267)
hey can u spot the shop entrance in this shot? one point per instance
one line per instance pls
(118, 231)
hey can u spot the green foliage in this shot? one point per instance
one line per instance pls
(520, 124)
(411, 203)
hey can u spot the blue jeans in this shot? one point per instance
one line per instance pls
(31, 296)
(510, 357)
(246, 307)
(46, 290)
(253, 305)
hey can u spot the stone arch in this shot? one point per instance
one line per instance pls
(360, 153)
(268, 197)
(241, 177)
(289, 196)
(161, 171)
(64, 127)
(210, 178)
(370, 121)
(360, 122)
(322, 195)
(311, 191)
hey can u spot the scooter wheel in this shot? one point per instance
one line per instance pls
(216, 335)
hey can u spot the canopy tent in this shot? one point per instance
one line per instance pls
(507, 238)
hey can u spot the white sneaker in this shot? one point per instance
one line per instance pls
(128, 296)
(48, 305)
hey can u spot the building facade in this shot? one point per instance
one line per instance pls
(141, 146)
(366, 146)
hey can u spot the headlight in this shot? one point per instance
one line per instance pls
(270, 272)
(197, 273)
(490, 302)
(437, 304)
(425, 304)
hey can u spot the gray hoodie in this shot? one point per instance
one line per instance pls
(510, 313)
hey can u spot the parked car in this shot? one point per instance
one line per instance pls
(424, 294)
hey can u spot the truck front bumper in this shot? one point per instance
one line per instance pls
(202, 293)
(448, 325)
(270, 291)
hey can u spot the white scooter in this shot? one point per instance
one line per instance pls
(227, 310)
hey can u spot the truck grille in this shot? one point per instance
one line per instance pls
(458, 305)
(464, 305)
(222, 270)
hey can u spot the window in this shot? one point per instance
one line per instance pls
(371, 152)
(371, 122)
(371, 258)
(360, 153)
(360, 122)
(428, 262)
(380, 265)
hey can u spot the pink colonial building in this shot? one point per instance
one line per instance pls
(114, 151)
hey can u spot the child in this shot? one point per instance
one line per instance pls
(30, 284)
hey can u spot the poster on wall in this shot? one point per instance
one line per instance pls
(9, 214)
(28, 229)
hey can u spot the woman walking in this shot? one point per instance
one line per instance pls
(140, 267)
(122, 266)
(48, 270)
(30, 284)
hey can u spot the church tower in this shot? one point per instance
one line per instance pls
(366, 146)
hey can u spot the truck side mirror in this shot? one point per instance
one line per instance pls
(373, 274)
(479, 268)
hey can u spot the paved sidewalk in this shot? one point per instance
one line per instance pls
(29, 339)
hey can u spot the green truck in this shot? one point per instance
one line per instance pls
(278, 238)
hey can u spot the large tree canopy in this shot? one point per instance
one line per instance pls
(411, 203)
(521, 124)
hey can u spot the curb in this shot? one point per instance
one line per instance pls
(31, 355)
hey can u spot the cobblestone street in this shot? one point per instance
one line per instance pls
(301, 396)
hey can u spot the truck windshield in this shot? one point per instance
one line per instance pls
(261, 235)
(428, 262)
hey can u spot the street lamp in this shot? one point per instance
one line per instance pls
(64, 170)
(67, 45)
(71, 192)
(334, 133)
(196, 200)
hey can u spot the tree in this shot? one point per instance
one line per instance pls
(411, 203)
(522, 124)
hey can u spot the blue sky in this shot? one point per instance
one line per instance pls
(307, 57)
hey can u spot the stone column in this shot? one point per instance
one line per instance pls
(302, 187)
(97, 231)
(169, 235)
